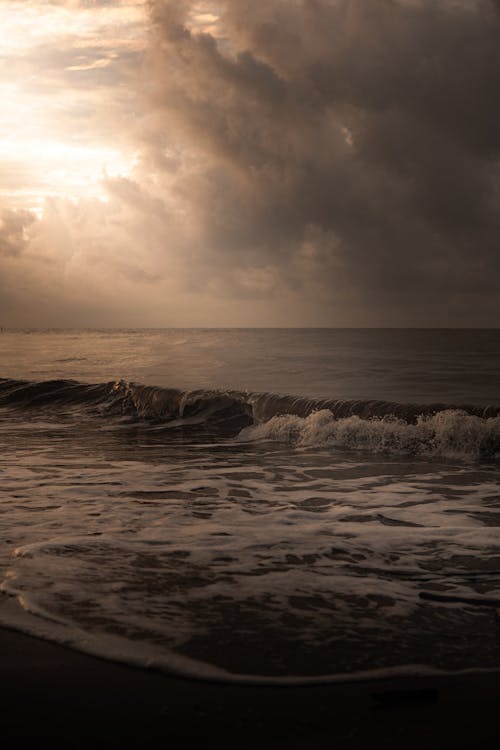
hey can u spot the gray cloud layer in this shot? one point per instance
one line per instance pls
(355, 143)
(330, 162)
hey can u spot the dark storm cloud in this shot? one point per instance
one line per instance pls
(344, 146)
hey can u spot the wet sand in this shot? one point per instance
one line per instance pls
(53, 694)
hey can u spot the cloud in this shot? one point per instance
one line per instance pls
(321, 162)
(373, 123)
(13, 231)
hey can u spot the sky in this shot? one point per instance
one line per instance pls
(241, 163)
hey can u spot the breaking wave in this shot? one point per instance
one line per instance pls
(451, 432)
(367, 425)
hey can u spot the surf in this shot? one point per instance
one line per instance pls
(365, 425)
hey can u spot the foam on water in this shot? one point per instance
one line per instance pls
(221, 530)
(249, 561)
(451, 432)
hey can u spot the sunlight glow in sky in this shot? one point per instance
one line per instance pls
(62, 70)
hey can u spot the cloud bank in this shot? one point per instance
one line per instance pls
(319, 162)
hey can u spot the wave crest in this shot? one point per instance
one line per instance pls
(369, 425)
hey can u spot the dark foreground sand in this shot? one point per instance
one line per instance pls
(50, 693)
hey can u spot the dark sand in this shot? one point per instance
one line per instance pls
(50, 693)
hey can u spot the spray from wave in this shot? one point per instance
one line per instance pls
(451, 433)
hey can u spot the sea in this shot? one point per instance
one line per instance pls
(275, 506)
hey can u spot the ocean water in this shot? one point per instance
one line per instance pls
(254, 505)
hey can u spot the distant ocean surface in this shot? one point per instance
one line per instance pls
(254, 504)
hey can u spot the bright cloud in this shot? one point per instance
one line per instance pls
(63, 69)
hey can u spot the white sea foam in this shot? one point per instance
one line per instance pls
(174, 554)
(452, 433)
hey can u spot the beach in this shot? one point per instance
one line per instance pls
(249, 374)
(51, 693)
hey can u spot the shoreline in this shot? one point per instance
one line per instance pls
(52, 692)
